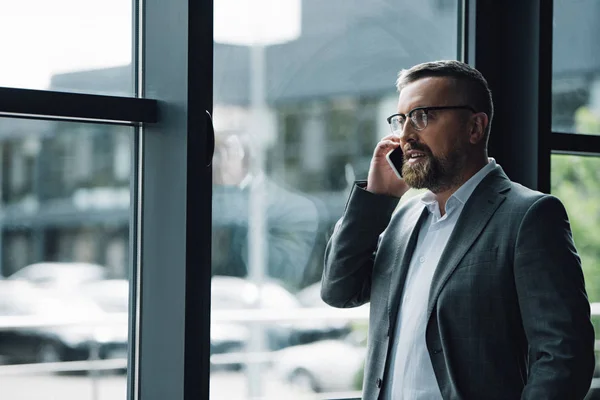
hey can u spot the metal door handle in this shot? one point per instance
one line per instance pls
(210, 136)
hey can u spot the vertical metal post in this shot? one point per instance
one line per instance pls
(514, 58)
(94, 356)
(257, 218)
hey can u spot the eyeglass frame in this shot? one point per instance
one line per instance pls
(407, 116)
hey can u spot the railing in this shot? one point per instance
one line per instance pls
(219, 316)
(94, 365)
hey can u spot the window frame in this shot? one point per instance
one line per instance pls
(169, 324)
(173, 144)
(559, 142)
(517, 42)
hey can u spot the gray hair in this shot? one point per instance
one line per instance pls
(474, 86)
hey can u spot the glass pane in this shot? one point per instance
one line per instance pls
(65, 265)
(67, 45)
(576, 67)
(297, 116)
(576, 182)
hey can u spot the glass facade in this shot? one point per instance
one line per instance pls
(576, 109)
(576, 67)
(64, 225)
(298, 110)
(53, 44)
(575, 182)
(286, 156)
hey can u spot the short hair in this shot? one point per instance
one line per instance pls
(477, 91)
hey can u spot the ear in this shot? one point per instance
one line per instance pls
(479, 123)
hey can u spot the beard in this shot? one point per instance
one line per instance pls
(435, 173)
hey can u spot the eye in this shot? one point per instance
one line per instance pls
(419, 118)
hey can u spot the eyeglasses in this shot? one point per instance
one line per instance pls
(418, 117)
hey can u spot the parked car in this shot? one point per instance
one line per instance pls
(234, 293)
(227, 339)
(324, 366)
(112, 295)
(20, 344)
(60, 274)
(310, 297)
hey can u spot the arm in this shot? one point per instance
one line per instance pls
(350, 252)
(291, 245)
(554, 305)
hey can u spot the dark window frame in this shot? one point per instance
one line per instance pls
(558, 142)
(77, 107)
(170, 318)
(169, 324)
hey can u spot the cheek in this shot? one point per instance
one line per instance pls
(437, 146)
(450, 143)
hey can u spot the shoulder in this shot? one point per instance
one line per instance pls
(534, 205)
(520, 194)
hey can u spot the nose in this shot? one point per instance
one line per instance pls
(407, 135)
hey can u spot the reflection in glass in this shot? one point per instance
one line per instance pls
(64, 292)
(296, 121)
(55, 44)
(576, 67)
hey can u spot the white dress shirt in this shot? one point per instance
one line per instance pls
(411, 375)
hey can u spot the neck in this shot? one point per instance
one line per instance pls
(471, 169)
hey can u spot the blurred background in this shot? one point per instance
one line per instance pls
(301, 92)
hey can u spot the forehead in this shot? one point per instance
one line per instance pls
(430, 91)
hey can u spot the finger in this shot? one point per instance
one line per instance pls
(385, 146)
(392, 136)
(388, 143)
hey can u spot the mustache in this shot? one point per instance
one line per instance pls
(417, 147)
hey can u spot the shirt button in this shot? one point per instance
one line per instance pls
(422, 259)
(378, 382)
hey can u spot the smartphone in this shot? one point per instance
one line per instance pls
(396, 158)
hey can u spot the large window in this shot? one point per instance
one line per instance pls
(69, 211)
(576, 111)
(52, 45)
(575, 180)
(112, 237)
(576, 67)
(298, 112)
(65, 259)
(575, 137)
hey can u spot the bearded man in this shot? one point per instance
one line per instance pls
(475, 287)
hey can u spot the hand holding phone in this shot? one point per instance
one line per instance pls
(396, 158)
(385, 170)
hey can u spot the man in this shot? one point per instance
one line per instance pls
(476, 288)
(291, 218)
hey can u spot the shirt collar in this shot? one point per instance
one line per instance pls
(463, 193)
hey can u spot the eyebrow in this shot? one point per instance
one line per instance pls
(410, 109)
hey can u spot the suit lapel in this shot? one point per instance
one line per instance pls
(409, 228)
(475, 215)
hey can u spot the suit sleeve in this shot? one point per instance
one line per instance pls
(292, 236)
(554, 305)
(350, 252)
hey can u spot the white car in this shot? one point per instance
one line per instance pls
(324, 366)
(60, 274)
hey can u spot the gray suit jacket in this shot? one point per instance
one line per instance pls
(508, 315)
